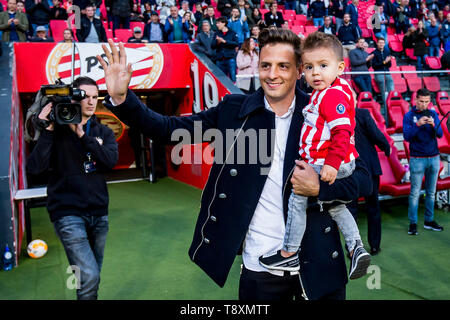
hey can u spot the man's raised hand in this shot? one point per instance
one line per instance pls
(117, 71)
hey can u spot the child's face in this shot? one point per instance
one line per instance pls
(321, 67)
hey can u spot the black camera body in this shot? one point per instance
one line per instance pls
(64, 111)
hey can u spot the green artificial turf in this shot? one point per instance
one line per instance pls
(151, 228)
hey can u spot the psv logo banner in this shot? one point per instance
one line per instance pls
(68, 61)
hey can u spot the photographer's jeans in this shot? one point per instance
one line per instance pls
(418, 168)
(84, 238)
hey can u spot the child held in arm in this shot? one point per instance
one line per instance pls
(327, 144)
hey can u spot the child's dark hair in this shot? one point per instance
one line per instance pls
(279, 35)
(322, 40)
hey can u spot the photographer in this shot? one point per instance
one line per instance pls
(76, 156)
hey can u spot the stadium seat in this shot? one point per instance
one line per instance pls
(443, 102)
(109, 34)
(301, 18)
(263, 11)
(366, 33)
(297, 23)
(57, 29)
(414, 84)
(410, 54)
(374, 84)
(394, 98)
(411, 72)
(123, 35)
(297, 29)
(395, 114)
(393, 173)
(432, 84)
(396, 46)
(310, 29)
(433, 63)
(400, 84)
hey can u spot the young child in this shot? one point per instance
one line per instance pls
(327, 144)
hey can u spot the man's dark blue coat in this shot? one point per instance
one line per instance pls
(233, 190)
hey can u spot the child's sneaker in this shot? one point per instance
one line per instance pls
(275, 261)
(359, 263)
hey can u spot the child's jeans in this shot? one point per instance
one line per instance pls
(296, 220)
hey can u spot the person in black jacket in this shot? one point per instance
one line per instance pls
(348, 34)
(226, 47)
(273, 17)
(91, 29)
(382, 62)
(57, 12)
(225, 6)
(154, 31)
(39, 13)
(338, 9)
(75, 157)
(367, 136)
(244, 206)
(205, 41)
(328, 26)
(317, 12)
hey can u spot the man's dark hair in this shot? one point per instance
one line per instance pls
(380, 38)
(423, 92)
(222, 20)
(322, 40)
(360, 39)
(279, 35)
(84, 81)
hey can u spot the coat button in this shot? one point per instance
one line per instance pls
(327, 229)
(213, 218)
(206, 240)
(334, 255)
(233, 172)
(222, 196)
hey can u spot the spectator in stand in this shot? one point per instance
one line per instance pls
(381, 20)
(136, 15)
(360, 61)
(91, 28)
(21, 7)
(154, 31)
(408, 39)
(39, 13)
(338, 8)
(445, 60)
(247, 63)
(421, 131)
(348, 34)
(147, 12)
(427, 21)
(434, 39)
(446, 9)
(352, 9)
(176, 27)
(420, 42)
(317, 12)
(198, 15)
(225, 6)
(210, 17)
(227, 43)
(205, 41)
(121, 12)
(382, 62)
(273, 17)
(57, 12)
(445, 31)
(440, 17)
(184, 9)
(255, 18)
(13, 23)
(302, 7)
(290, 4)
(415, 7)
(41, 35)
(191, 27)
(401, 16)
(432, 5)
(164, 11)
(239, 26)
(68, 36)
(328, 26)
(137, 36)
(254, 33)
(245, 11)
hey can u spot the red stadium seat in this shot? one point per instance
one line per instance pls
(396, 46)
(433, 63)
(297, 29)
(396, 118)
(297, 23)
(310, 29)
(414, 84)
(393, 172)
(409, 69)
(109, 34)
(394, 98)
(301, 18)
(366, 33)
(123, 35)
(57, 28)
(400, 85)
(432, 84)
(443, 102)
(410, 54)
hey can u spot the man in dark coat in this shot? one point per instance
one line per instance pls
(367, 136)
(273, 17)
(233, 214)
(91, 29)
(206, 41)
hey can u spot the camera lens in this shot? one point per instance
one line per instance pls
(67, 113)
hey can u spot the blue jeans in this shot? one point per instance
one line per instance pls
(84, 238)
(418, 168)
(290, 5)
(121, 22)
(385, 83)
(434, 51)
(364, 82)
(318, 22)
(228, 66)
(420, 62)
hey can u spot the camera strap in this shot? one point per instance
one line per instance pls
(89, 165)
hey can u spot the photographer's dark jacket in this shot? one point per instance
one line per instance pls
(233, 189)
(72, 191)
